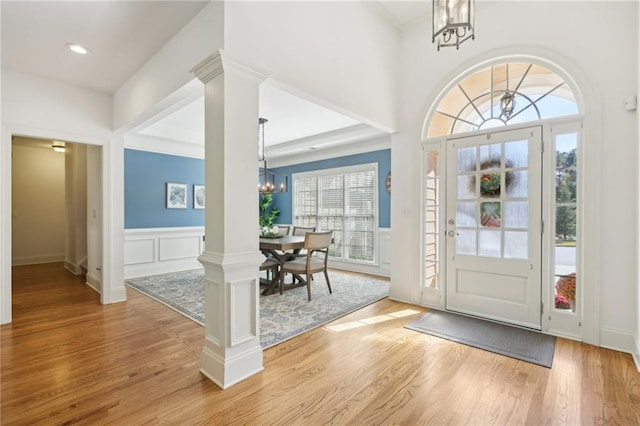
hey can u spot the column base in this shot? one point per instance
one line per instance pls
(231, 370)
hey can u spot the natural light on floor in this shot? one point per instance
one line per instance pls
(371, 320)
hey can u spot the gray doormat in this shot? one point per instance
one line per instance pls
(514, 342)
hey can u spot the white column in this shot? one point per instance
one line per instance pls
(232, 350)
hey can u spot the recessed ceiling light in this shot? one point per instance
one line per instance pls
(77, 48)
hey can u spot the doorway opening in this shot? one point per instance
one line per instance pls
(56, 207)
(501, 210)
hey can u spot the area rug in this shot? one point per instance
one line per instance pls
(514, 342)
(281, 316)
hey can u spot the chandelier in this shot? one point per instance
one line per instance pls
(268, 181)
(452, 22)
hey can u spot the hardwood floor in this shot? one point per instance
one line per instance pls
(67, 359)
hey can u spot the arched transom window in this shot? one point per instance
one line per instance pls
(501, 94)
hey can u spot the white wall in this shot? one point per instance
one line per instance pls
(339, 54)
(169, 69)
(76, 208)
(38, 203)
(606, 73)
(48, 105)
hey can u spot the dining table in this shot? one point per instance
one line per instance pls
(282, 249)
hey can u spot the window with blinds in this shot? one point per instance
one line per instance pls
(344, 201)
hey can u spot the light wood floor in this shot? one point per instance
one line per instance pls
(66, 359)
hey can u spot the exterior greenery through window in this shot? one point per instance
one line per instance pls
(345, 201)
(566, 220)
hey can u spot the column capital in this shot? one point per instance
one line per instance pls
(217, 63)
(209, 68)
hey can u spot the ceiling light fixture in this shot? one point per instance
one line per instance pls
(453, 22)
(268, 181)
(77, 48)
(58, 146)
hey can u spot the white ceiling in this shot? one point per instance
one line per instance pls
(289, 118)
(122, 35)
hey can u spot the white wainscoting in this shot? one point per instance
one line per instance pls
(382, 269)
(161, 250)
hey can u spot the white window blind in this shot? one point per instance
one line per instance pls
(344, 201)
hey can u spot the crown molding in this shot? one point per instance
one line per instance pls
(354, 148)
(345, 136)
(164, 146)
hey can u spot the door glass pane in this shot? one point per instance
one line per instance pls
(517, 184)
(490, 185)
(467, 159)
(490, 214)
(466, 187)
(516, 154)
(566, 222)
(490, 156)
(516, 214)
(466, 242)
(431, 217)
(466, 214)
(516, 245)
(489, 243)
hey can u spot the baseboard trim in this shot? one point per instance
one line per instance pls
(37, 260)
(618, 340)
(636, 354)
(143, 270)
(73, 268)
(360, 268)
(118, 295)
(94, 283)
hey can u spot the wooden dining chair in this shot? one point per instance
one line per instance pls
(314, 242)
(301, 230)
(271, 266)
(283, 229)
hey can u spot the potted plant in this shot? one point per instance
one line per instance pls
(268, 214)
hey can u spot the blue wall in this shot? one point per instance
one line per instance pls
(145, 189)
(383, 158)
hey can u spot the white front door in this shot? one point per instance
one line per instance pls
(494, 202)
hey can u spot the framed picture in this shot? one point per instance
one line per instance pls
(176, 195)
(198, 196)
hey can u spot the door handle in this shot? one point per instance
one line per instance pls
(452, 233)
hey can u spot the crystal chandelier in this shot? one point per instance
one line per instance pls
(452, 22)
(268, 181)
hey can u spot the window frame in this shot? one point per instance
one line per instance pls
(364, 167)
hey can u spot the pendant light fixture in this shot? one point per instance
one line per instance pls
(453, 22)
(507, 101)
(269, 182)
